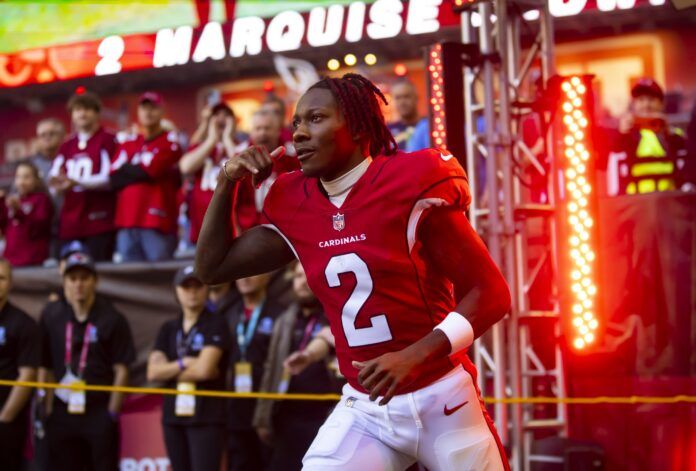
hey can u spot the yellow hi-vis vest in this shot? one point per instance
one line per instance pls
(651, 169)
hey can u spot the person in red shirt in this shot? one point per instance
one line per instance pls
(405, 282)
(266, 132)
(25, 218)
(202, 162)
(146, 210)
(81, 172)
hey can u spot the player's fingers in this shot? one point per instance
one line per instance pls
(256, 155)
(248, 165)
(278, 152)
(389, 394)
(369, 382)
(358, 365)
(383, 384)
(366, 372)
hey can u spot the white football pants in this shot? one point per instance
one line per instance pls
(440, 426)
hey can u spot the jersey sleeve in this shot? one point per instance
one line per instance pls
(278, 205)
(442, 184)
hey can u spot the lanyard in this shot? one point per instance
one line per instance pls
(68, 348)
(184, 342)
(307, 333)
(244, 338)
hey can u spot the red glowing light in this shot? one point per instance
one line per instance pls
(400, 70)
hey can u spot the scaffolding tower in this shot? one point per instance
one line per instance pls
(497, 100)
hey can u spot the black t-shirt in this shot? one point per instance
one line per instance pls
(110, 343)
(209, 331)
(19, 347)
(315, 379)
(241, 411)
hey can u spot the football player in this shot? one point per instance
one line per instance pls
(406, 283)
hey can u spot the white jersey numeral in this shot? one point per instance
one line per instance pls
(379, 329)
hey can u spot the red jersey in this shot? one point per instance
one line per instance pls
(203, 188)
(150, 204)
(364, 261)
(28, 229)
(249, 200)
(85, 212)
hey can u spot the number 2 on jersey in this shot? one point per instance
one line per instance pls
(379, 329)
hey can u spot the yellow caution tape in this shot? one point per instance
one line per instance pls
(336, 397)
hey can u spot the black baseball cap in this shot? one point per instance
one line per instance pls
(184, 274)
(647, 86)
(73, 247)
(80, 260)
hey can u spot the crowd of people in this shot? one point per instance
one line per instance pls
(225, 337)
(139, 195)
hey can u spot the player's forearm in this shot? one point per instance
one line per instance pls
(433, 346)
(216, 232)
(18, 397)
(485, 305)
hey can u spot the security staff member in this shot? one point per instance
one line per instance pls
(85, 340)
(252, 325)
(192, 353)
(19, 359)
(290, 426)
(656, 153)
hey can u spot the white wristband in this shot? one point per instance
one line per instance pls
(458, 330)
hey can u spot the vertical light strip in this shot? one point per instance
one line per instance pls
(437, 100)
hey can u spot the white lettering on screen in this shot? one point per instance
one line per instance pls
(211, 44)
(172, 47)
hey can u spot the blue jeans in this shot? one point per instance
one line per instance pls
(140, 245)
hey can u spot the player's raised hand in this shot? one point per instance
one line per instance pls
(384, 375)
(254, 161)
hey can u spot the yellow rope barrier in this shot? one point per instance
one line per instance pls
(336, 397)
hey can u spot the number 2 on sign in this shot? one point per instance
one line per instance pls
(379, 329)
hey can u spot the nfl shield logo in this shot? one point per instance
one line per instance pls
(339, 222)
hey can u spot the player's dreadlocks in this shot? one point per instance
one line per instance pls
(357, 99)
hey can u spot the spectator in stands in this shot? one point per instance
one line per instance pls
(83, 162)
(202, 161)
(50, 133)
(655, 152)
(405, 100)
(275, 105)
(145, 170)
(83, 340)
(19, 359)
(192, 353)
(25, 218)
(265, 131)
(252, 326)
(290, 426)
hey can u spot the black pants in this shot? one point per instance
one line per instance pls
(83, 442)
(194, 447)
(245, 451)
(291, 439)
(12, 439)
(100, 247)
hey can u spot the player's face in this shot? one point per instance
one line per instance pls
(149, 114)
(220, 119)
(79, 285)
(324, 144)
(405, 100)
(85, 119)
(192, 294)
(252, 284)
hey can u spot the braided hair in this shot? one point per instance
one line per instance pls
(357, 97)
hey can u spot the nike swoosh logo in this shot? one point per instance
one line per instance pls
(446, 157)
(455, 408)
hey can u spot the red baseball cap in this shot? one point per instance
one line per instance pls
(647, 87)
(151, 97)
